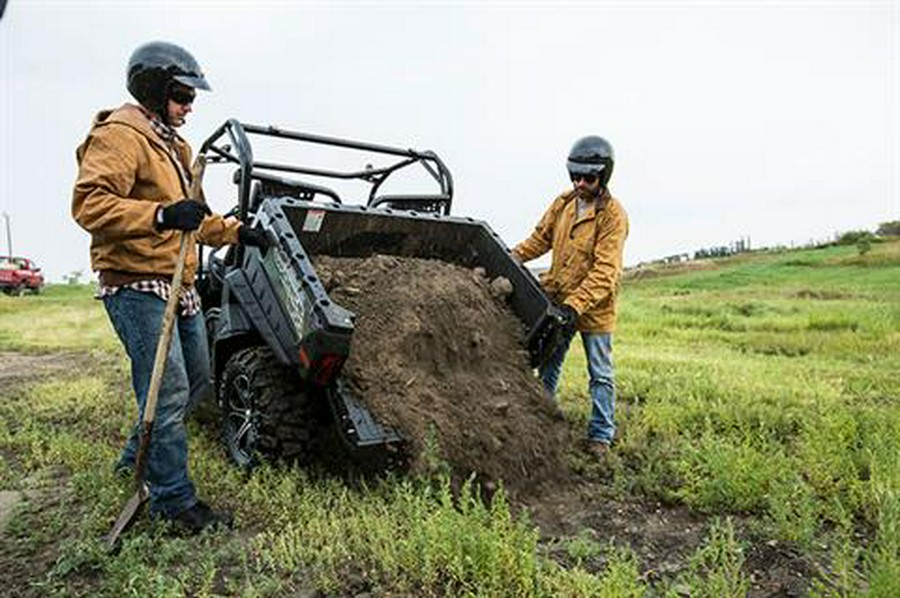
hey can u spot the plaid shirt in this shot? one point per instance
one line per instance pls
(188, 300)
(167, 134)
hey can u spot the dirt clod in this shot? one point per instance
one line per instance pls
(501, 288)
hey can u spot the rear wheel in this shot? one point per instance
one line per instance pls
(266, 411)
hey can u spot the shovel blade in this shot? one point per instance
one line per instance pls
(129, 514)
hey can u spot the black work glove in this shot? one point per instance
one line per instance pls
(568, 318)
(186, 214)
(254, 237)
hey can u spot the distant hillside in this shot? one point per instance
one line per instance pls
(833, 267)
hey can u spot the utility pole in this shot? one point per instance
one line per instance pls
(8, 235)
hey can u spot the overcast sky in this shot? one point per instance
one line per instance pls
(773, 120)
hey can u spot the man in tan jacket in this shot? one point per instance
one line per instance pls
(585, 228)
(131, 195)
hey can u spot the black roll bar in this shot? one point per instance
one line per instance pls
(238, 151)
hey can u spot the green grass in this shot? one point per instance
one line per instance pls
(62, 317)
(763, 389)
(296, 532)
(403, 536)
(768, 386)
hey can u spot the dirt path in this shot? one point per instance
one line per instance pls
(19, 367)
(8, 501)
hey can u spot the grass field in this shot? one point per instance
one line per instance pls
(759, 393)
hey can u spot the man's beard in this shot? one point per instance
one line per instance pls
(587, 194)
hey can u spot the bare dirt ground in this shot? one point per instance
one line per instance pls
(20, 367)
(663, 537)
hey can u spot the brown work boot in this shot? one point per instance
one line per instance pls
(598, 449)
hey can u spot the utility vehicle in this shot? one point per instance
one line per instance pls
(277, 340)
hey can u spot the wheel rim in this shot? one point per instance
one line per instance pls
(241, 420)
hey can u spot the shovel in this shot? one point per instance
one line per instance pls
(133, 507)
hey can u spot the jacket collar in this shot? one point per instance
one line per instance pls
(593, 210)
(134, 117)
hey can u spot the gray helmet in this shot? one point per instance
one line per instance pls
(592, 155)
(154, 67)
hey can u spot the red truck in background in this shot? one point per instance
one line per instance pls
(18, 274)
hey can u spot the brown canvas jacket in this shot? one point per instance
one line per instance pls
(125, 172)
(587, 257)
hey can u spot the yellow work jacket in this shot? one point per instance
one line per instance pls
(125, 172)
(587, 257)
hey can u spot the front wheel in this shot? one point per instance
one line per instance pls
(266, 411)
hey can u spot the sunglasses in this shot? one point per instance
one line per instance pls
(182, 96)
(590, 179)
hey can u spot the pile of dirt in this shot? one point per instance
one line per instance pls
(438, 354)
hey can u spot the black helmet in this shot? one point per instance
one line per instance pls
(153, 68)
(592, 155)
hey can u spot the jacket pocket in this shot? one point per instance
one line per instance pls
(582, 237)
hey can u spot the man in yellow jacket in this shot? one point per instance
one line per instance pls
(585, 228)
(131, 195)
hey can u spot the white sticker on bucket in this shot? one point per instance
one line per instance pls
(313, 222)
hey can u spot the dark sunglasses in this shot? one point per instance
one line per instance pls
(590, 179)
(182, 96)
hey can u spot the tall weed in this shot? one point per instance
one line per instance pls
(715, 569)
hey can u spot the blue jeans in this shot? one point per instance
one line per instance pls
(137, 319)
(601, 383)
